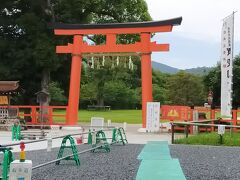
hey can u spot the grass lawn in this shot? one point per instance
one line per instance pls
(120, 116)
(211, 139)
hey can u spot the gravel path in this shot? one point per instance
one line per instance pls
(198, 162)
(208, 162)
(119, 164)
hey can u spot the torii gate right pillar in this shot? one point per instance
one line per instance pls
(146, 68)
(146, 75)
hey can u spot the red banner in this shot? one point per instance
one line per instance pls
(175, 112)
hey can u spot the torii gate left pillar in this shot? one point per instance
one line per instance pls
(143, 48)
(75, 79)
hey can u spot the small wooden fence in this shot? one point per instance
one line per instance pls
(186, 114)
(32, 114)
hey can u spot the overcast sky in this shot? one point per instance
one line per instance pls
(196, 42)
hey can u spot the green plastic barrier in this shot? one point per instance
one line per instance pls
(16, 132)
(7, 159)
(72, 147)
(119, 136)
(101, 139)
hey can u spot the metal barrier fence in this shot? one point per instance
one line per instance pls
(188, 125)
(57, 137)
(107, 128)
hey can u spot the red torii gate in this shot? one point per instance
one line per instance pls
(144, 48)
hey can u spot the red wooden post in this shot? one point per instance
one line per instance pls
(34, 115)
(18, 112)
(212, 113)
(234, 119)
(191, 119)
(66, 115)
(146, 85)
(75, 78)
(146, 69)
(50, 115)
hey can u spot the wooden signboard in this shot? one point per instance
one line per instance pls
(3, 100)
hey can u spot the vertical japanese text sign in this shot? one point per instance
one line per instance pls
(227, 65)
(153, 116)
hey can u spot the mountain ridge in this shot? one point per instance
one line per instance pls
(172, 70)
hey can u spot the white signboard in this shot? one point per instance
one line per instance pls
(221, 129)
(153, 116)
(20, 170)
(226, 66)
(97, 123)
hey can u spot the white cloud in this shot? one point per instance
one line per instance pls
(202, 19)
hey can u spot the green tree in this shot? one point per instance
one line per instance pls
(185, 89)
(159, 86)
(159, 94)
(115, 93)
(236, 81)
(27, 44)
(212, 81)
(97, 78)
(117, 11)
(57, 94)
(88, 94)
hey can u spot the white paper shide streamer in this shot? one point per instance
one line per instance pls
(227, 65)
(117, 60)
(103, 61)
(130, 62)
(92, 66)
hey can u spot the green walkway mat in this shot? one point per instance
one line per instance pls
(160, 170)
(153, 156)
(157, 163)
(157, 142)
(155, 150)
